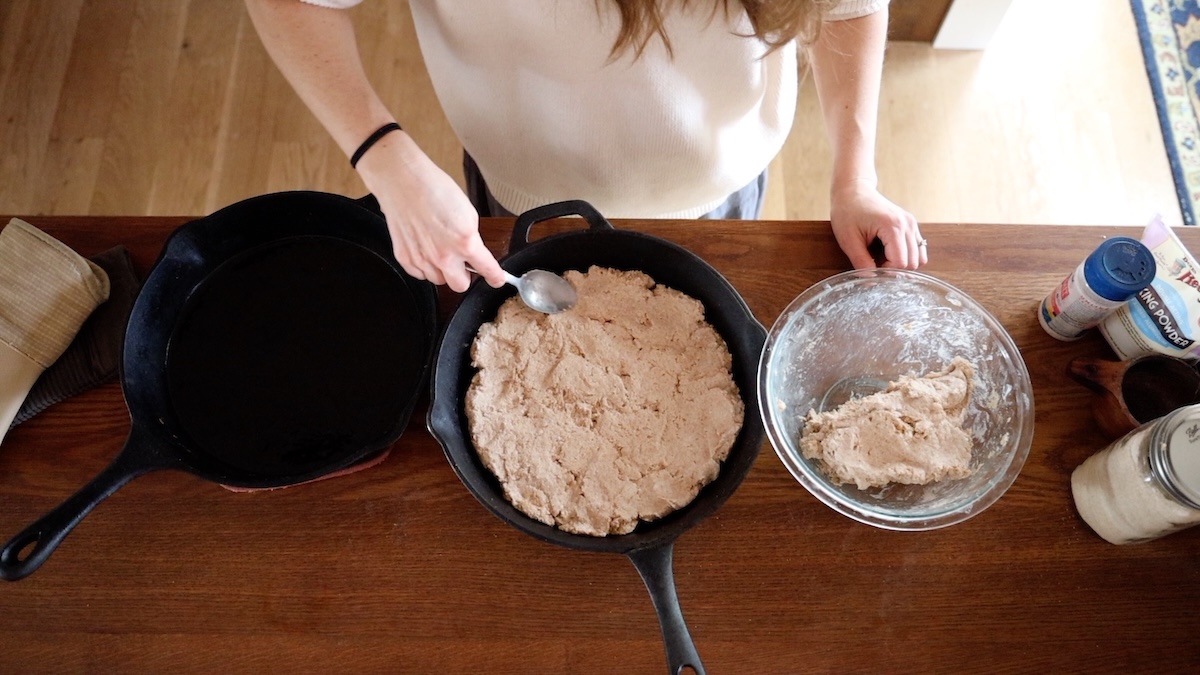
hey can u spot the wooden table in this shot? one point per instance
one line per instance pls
(398, 569)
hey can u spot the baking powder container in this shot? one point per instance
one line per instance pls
(1105, 280)
(1146, 484)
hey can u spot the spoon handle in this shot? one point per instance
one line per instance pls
(508, 278)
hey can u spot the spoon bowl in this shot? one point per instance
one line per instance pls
(542, 291)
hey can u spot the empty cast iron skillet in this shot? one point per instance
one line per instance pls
(649, 546)
(273, 342)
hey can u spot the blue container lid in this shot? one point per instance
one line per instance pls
(1119, 268)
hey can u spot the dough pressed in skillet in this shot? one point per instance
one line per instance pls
(615, 411)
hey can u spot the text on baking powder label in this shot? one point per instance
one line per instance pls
(1162, 318)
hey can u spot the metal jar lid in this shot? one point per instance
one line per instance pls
(1175, 454)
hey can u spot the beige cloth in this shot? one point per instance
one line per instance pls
(46, 292)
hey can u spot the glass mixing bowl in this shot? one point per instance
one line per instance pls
(854, 332)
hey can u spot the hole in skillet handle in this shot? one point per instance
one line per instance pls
(29, 549)
(576, 207)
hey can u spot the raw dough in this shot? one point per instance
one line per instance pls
(910, 432)
(619, 409)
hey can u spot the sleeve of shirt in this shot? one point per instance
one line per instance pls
(852, 9)
(333, 4)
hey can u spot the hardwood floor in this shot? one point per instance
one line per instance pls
(153, 107)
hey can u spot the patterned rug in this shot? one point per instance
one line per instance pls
(1169, 31)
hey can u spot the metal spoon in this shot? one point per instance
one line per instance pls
(543, 291)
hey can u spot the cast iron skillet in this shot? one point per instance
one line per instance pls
(649, 546)
(273, 342)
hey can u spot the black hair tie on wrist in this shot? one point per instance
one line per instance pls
(372, 140)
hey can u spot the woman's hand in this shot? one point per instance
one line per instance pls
(847, 61)
(434, 227)
(860, 214)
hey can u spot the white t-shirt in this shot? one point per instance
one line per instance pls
(535, 96)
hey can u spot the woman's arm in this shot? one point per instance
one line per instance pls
(433, 226)
(847, 62)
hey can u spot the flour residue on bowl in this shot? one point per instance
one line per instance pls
(885, 325)
(883, 330)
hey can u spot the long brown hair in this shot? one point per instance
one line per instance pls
(775, 22)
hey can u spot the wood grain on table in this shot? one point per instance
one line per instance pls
(398, 570)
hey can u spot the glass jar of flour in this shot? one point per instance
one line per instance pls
(1146, 484)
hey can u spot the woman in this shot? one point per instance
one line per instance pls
(644, 108)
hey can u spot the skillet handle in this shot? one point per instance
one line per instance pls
(370, 203)
(654, 564)
(26, 552)
(576, 207)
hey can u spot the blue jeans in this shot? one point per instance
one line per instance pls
(745, 204)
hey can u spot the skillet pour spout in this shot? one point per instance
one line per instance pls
(650, 546)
